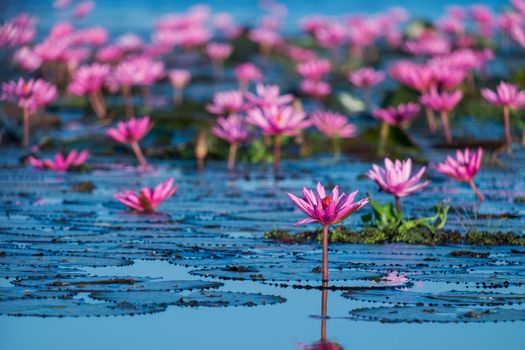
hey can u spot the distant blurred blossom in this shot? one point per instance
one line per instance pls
(18, 31)
(95, 36)
(26, 59)
(109, 54)
(315, 88)
(246, 73)
(83, 9)
(60, 163)
(267, 96)
(129, 42)
(314, 69)
(266, 38)
(399, 115)
(226, 102)
(61, 4)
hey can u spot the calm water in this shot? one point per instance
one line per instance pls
(282, 326)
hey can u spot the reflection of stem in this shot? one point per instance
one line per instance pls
(508, 133)
(138, 153)
(446, 127)
(398, 205)
(324, 314)
(127, 100)
(276, 155)
(25, 141)
(431, 120)
(477, 191)
(325, 256)
(232, 155)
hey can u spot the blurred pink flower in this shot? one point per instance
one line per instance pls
(130, 42)
(27, 59)
(399, 115)
(463, 168)
(314, 69)
(83, 8)
(331, 35)
(412, 75)
(315, 88)
(366, 77)
(89, 80)
(61, 162)
(246, 73)
(266, 38)
(266, 96)
(442, 102)
(109, 54)
(179, 79)
(396, 178)
(506, 95)
(234, 130)
(148, 199)
(29, 95)
(278, 120)
(333, 125)
(131, 132)
(219, 52)
(226, 102)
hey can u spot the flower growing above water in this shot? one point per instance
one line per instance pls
(507, 96)
(89, 80)
(277, 121)
(147, 199)
(29, 95)
(396, 178)
(179, 79)
(234, 130)
(366, 78)
(334, 126)
(60, 163)
(246, 73)
(444, 103)
(464, 168)
(326, 210)
(226, 102)
(131, 132)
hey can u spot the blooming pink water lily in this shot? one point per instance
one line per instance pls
(442, 102)
(366, 78)
(314, 69)
(396, 178)
(60, 163)
(179, 79)
(399, 115)
(29, 96)
(333, 125)
(326, 210)
(246, 73)
(147, 199)
(316, 89)
(509, 97)
(267, 96)
(226, 102)
(131, 132)
(234, 130)
(89, 80)
(464, 168)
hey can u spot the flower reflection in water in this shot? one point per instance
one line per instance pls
(323, 343)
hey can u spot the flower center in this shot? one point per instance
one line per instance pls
(326, 201)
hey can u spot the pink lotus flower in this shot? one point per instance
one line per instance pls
(509, 97)
(365, 78)
(131, 132)
(28, 95)
(266, 38)
(333, 125)
(464, 168)
(226, 102)
(315, 88)
(130, 42)
(148, 199)
(18, 31)
(444, 103)
(399, 115)
(267, 96)
(331, 35)
(314, 69)
(396, 178)
(299, 54)
(246, 73)
(89, 80)
(233, 130)
(278, 120)
(445, 75)
(109, 54)
(61, 163)
(218, 52)
(412, 75)
(83, 9)
(179, 79)
(27, 59)
(326, 210)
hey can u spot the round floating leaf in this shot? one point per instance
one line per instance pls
(16, 293)
(440, 314)
(72, 308)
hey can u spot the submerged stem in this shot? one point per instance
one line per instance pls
(398, 205)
